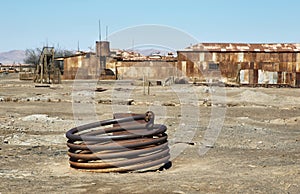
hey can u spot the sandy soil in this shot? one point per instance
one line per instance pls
(255, 151)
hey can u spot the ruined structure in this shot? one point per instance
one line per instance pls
(105, 64)
(230, 63)
(46, 71)
(140, 69)
(88, 65)
(82, 65)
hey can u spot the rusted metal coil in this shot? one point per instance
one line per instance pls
(121, 144)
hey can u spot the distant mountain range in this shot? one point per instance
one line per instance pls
(11, 57)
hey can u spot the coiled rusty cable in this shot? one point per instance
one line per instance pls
(129, 143)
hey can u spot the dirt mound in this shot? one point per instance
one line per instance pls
(251, 96)
(40, 117)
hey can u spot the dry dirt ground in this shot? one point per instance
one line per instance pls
(255, 150)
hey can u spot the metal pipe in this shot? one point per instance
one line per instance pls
(125, 146)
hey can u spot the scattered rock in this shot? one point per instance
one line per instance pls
(232, 104)
(130, 102)
(182, 80)
(209, 146)
(123, 89)
(179, 192)
(41, 117)
(104, 101)
(209, 90)
(168, 104)
(206, 102)
(188, 143)
(100, 89)
(7, 99)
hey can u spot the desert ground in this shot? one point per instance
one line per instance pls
(222, 139)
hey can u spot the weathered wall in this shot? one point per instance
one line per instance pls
(86, 67)
(248, 67)
(139, 69)
(86, 64)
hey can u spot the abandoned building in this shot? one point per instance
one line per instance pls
(230, 63)
(250, 64)
(87, 65)
(105, 64)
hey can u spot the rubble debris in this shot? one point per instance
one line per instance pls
(168, 104)
(100, 89)
(181, 80)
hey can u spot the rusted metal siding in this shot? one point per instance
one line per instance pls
(83, 66)
(298, 79)
(147, 69)
(71, 65)
(283, 59)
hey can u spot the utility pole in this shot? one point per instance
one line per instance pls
(100, 48)
(99, 30)
(106, 33)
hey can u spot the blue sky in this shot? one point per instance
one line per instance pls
(34, 23)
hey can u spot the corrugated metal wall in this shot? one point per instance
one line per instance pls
(81, 67)
(149, 69)
(248, 67)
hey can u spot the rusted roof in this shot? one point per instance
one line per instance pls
(244, 47)
(77, 54)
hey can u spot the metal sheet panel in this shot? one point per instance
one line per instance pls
(267, 77)
(289, 67)
(202, 57)
(297, 79)
(183, 67)
(268, 67)
(297, 62)
(244, 76)
(214, 57)
(240, 57)
(255, 76)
